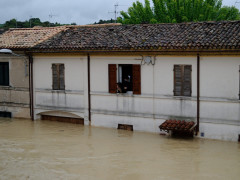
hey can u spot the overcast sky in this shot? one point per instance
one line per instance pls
(67, 11)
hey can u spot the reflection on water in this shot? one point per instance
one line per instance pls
(54, 150)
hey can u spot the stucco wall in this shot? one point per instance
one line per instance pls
(156, 101)
(220, 105)
(71, 100)
(219, 87)
(220, 77)
(15, 97)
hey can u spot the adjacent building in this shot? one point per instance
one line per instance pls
(15, 69)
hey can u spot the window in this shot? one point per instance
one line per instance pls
(5, 114)
(182, 80)
(124, 78)
(58, 77)
(4, 73)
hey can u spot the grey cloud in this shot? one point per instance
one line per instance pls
(67, 11)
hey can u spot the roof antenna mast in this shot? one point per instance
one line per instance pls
(50, 17)
(236, 2)
(115, 10)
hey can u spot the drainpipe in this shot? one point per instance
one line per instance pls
(198, 93)
(31, 86)
(89, 90)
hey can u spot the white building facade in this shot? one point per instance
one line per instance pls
(142, 75)
(219, 92)
(68, 102)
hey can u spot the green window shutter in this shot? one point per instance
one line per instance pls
(55, 84)
(136, 79)
(61, 77)
(182, 80)
(178, 80)
(112, 78)
(187, 80)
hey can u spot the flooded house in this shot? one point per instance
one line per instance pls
(138, 76)
(15, 69)
(132, 77)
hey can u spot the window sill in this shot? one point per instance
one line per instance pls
(58, 91)
(7, 87)
(182, 97)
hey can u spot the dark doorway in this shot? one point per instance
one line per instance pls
(63, 119)
(5, 114)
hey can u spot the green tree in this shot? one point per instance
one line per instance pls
(104, 21)
(13, 23)
(177, 11)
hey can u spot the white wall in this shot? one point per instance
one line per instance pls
(219, 87)
(163, 73)
(220, 77)
(73, 99)
(156, 101)
(15, 97)
(220, 105)
(74, 72)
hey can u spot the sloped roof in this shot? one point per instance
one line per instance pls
(20, 38)
(183, 36)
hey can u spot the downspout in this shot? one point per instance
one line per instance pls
(31, 86)
(198, 93)
(89, 90)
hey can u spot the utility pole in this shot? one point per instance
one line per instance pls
(30, 22)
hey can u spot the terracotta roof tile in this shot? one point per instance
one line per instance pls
(27, 37)
(177, 125)
(183, 36)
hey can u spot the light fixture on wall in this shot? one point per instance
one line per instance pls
(9, 51)
(148, 59)
(6, 51)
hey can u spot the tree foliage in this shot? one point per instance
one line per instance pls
(104, 21)
(177, 11)
(13, 23)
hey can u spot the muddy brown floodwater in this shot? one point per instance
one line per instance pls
(54, 150)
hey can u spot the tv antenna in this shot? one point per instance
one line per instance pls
(30, 21)
(115, 11)
(236, 2)
(50, 17)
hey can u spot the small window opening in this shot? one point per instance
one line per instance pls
(4, 74)
(239, 138)
(125, 80)
(5, 114)
(63, 119)
(125, 127)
